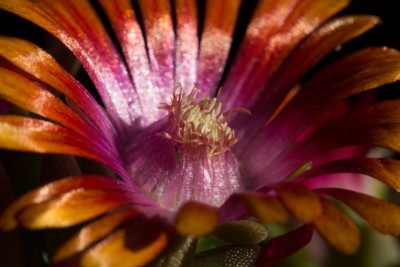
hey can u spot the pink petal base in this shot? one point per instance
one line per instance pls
(173, 173)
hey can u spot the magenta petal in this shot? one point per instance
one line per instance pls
(308, 105)
(186, 43)
(215, 43)
(38, 63)
(304, 56)
(373, 125)
(127, 29)
(257, 37)
(160, 42)
(275, 30)
(78, 27)
(351, 77)
(279, 248)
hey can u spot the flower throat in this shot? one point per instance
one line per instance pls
(187, 155)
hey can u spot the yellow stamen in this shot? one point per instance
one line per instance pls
(199, 121)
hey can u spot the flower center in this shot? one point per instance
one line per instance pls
(198, 122)
(187, 154)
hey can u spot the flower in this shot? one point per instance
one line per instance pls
(190, 159)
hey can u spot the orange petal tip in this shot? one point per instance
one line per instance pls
(196, 219)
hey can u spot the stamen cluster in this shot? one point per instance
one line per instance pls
(198, 122)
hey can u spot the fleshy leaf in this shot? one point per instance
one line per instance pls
(266, 208)
(243, 232)
(179, 253)
(279, 248)
(196, 219)
(301, 201)
(338, 229)
(231, 255)
(382, 215)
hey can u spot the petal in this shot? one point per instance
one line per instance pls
(42, 66)
(266, 208)
(216, 38)
(305, 56)
(72, 208)
(26, 94)
(381, 215)
(196, 219)
(187, 43)
(136, 245)
(361, 71)
(160, 41)
(279, 248)
(127, 29)
(385, 170)
(78, 27)
(371, 125)
(356, 73)
(302, 202)
(27, 134)
(338, 229)
(278, 26)
(92, 233)
(53, 190)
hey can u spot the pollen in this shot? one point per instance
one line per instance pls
(198, 122)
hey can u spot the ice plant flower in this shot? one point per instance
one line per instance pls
(192, 159)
